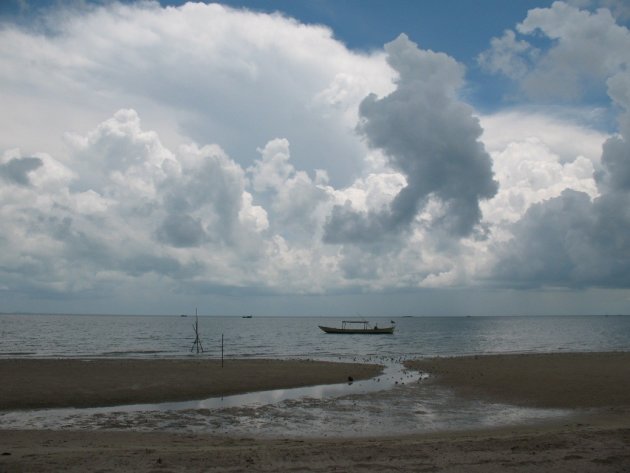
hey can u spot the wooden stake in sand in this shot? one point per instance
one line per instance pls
(197, 342)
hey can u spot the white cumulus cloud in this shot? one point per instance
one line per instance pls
(200, 149)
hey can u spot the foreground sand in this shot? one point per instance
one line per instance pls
(567, 448)
(82, 383)
(594, 440)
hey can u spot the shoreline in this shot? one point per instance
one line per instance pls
(549, 380)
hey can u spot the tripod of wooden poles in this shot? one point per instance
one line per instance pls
(197, 343)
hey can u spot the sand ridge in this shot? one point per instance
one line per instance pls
(554, 380)
(44, 383)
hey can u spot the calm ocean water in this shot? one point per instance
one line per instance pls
(298, 337)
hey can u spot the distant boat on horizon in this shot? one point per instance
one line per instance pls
(247, 316)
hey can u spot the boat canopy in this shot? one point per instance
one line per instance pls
(365, 323)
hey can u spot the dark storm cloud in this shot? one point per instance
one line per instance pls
(16, 170)
(430, 136)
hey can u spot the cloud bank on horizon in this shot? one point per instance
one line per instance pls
(202, 149)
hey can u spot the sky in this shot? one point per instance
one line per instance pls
(315, 158)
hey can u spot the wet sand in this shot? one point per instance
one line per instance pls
(596, 439)
(29, 384)
(558, 380)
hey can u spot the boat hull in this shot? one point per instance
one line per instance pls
(357, 331)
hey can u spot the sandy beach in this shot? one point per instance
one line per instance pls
(560, 380)
(30, 384)
(595, 439)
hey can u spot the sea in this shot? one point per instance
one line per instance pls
(398, 402)
(132, 336)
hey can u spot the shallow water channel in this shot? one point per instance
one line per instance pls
(398, 401)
